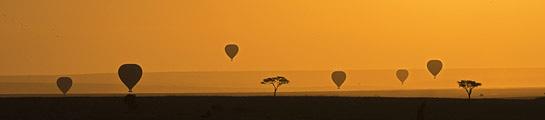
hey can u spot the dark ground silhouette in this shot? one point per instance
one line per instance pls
(269, 108)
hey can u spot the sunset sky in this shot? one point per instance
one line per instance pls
(96, 36)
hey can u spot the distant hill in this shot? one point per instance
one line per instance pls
(373, 82)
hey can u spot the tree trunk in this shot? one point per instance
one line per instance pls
(275, 91)
(469, 95)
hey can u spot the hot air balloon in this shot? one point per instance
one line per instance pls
(434, 67)
(231, 50)
(130, 74)
(338, 77)
(64, 84)
(402, 75)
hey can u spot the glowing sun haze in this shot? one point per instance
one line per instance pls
(96, 36)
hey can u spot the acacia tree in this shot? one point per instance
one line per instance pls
(276, 82)
(468, 85)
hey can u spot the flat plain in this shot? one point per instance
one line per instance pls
(268, 108)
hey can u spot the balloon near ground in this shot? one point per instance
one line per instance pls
(231, 50)
(130, 74)
(64, 84)
(434, 67)
(338, 77)
(402, 75)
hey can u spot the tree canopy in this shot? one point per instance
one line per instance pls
(468, 84)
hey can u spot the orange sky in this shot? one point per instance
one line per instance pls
(67, 36)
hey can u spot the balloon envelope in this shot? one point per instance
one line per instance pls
(338, 77)
(64, 84)
(402, 75)
(434, 67)
(130, 74)
(231, 50)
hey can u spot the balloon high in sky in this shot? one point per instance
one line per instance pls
(402, 75)
(64, 84)
(231, 50)
(434, 67)
(130, 74)
(338, 78)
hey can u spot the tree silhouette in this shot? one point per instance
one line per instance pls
(276, 82)
(468, 85)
